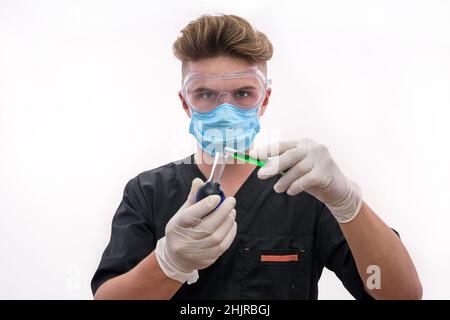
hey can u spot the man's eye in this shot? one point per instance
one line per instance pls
(242, 94)
(207, 95)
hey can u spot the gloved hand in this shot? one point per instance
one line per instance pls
(311, 169)
(192, 243)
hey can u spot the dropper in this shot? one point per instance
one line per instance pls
(218, 167)
(212, 185)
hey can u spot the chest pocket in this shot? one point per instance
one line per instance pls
(274, 268)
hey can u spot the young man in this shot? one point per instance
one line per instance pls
(274, 233)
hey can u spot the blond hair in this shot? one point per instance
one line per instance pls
(210, 36)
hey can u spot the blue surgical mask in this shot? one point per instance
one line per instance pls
(225, 126)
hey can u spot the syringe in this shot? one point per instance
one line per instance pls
(238, 155)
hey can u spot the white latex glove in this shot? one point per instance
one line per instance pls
(310, 168)
(192, 243)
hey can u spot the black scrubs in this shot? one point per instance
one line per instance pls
(282, 244)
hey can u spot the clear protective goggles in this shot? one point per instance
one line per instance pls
(244, 89)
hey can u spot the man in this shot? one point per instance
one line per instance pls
(277, 228)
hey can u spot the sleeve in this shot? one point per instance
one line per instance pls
(132, 236)
(333, 252)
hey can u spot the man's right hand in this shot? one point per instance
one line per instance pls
(192, 242)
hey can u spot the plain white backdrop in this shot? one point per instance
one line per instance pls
(88, 99)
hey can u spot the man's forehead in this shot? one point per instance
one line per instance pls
(216, 66)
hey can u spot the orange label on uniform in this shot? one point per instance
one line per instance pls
(279, 258)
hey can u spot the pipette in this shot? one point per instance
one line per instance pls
(212, 185)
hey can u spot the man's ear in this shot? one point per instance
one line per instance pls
(185, 106)
(265, 102)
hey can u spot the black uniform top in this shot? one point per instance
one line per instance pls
(282, 244)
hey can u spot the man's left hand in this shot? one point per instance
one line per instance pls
(309, 167)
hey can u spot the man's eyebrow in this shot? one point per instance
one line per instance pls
(201, 89)
(246, 88)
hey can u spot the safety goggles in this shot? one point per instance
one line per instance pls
(244, 89)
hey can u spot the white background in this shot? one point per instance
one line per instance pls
(88, 99)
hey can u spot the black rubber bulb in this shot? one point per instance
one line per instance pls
(212, 186)
(208, 189)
